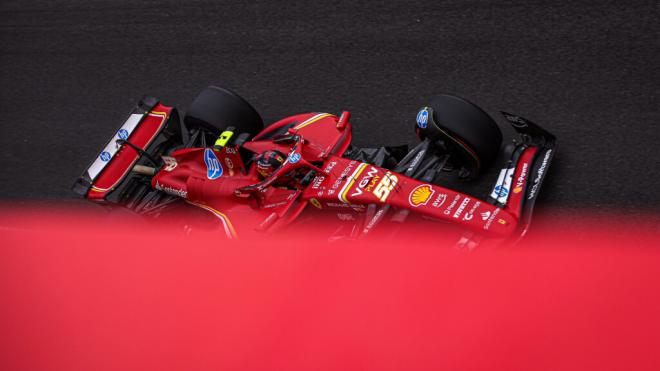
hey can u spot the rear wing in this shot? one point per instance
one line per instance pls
(148, 130)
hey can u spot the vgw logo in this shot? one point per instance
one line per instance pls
(213, 167)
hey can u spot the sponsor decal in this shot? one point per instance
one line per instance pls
(365, 181)
(372, 183)
(490, 219)
(385, 186)
(276, 204)
(171, 191)
(358, 208)
(375, 219)
(461, 207)
(439, 200)
(485, 215)
(316, 183)
(170, 163)
(539, 175)
(330, 166)
(417, 158)
(112, 147)
(521, 179)
(122, 134)
(213, 168)
(501, 191)
(230, 166)
(230, 150)
(294, 158)
(423, 118)
(470, 214)
(336, 204)
(503, 182)
(382, 189)
(452, 205)
(421, 195)
(343, 175)
(315, 203)
(345, 217)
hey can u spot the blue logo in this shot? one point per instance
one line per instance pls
(213, 167)
(105, 156)
(123, 134)
(423, 118)
(501, 191)
(294, 157)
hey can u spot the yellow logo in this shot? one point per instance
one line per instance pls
(421, 195)
(517, 190)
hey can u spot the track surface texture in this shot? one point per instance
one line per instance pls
(588, 72)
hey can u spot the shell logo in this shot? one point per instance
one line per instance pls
(517, 190)
(421, 195)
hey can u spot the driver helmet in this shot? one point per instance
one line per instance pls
(268, 162)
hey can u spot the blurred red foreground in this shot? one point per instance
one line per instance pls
(80, 295)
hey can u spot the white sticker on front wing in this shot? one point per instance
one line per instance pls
(503, 185)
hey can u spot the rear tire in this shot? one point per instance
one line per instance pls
(464, 128)
(216, 108)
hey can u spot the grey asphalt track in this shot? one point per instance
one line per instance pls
(589, 72)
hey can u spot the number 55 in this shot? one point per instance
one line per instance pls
(383, 189)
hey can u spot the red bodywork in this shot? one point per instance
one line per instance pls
(343, 184)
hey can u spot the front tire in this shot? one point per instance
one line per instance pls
(465, 129)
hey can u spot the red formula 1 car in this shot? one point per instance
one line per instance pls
(220, 158)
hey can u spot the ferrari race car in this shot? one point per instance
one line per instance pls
(220, 158)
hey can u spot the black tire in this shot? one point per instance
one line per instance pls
(216, 108)
(464, 128)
